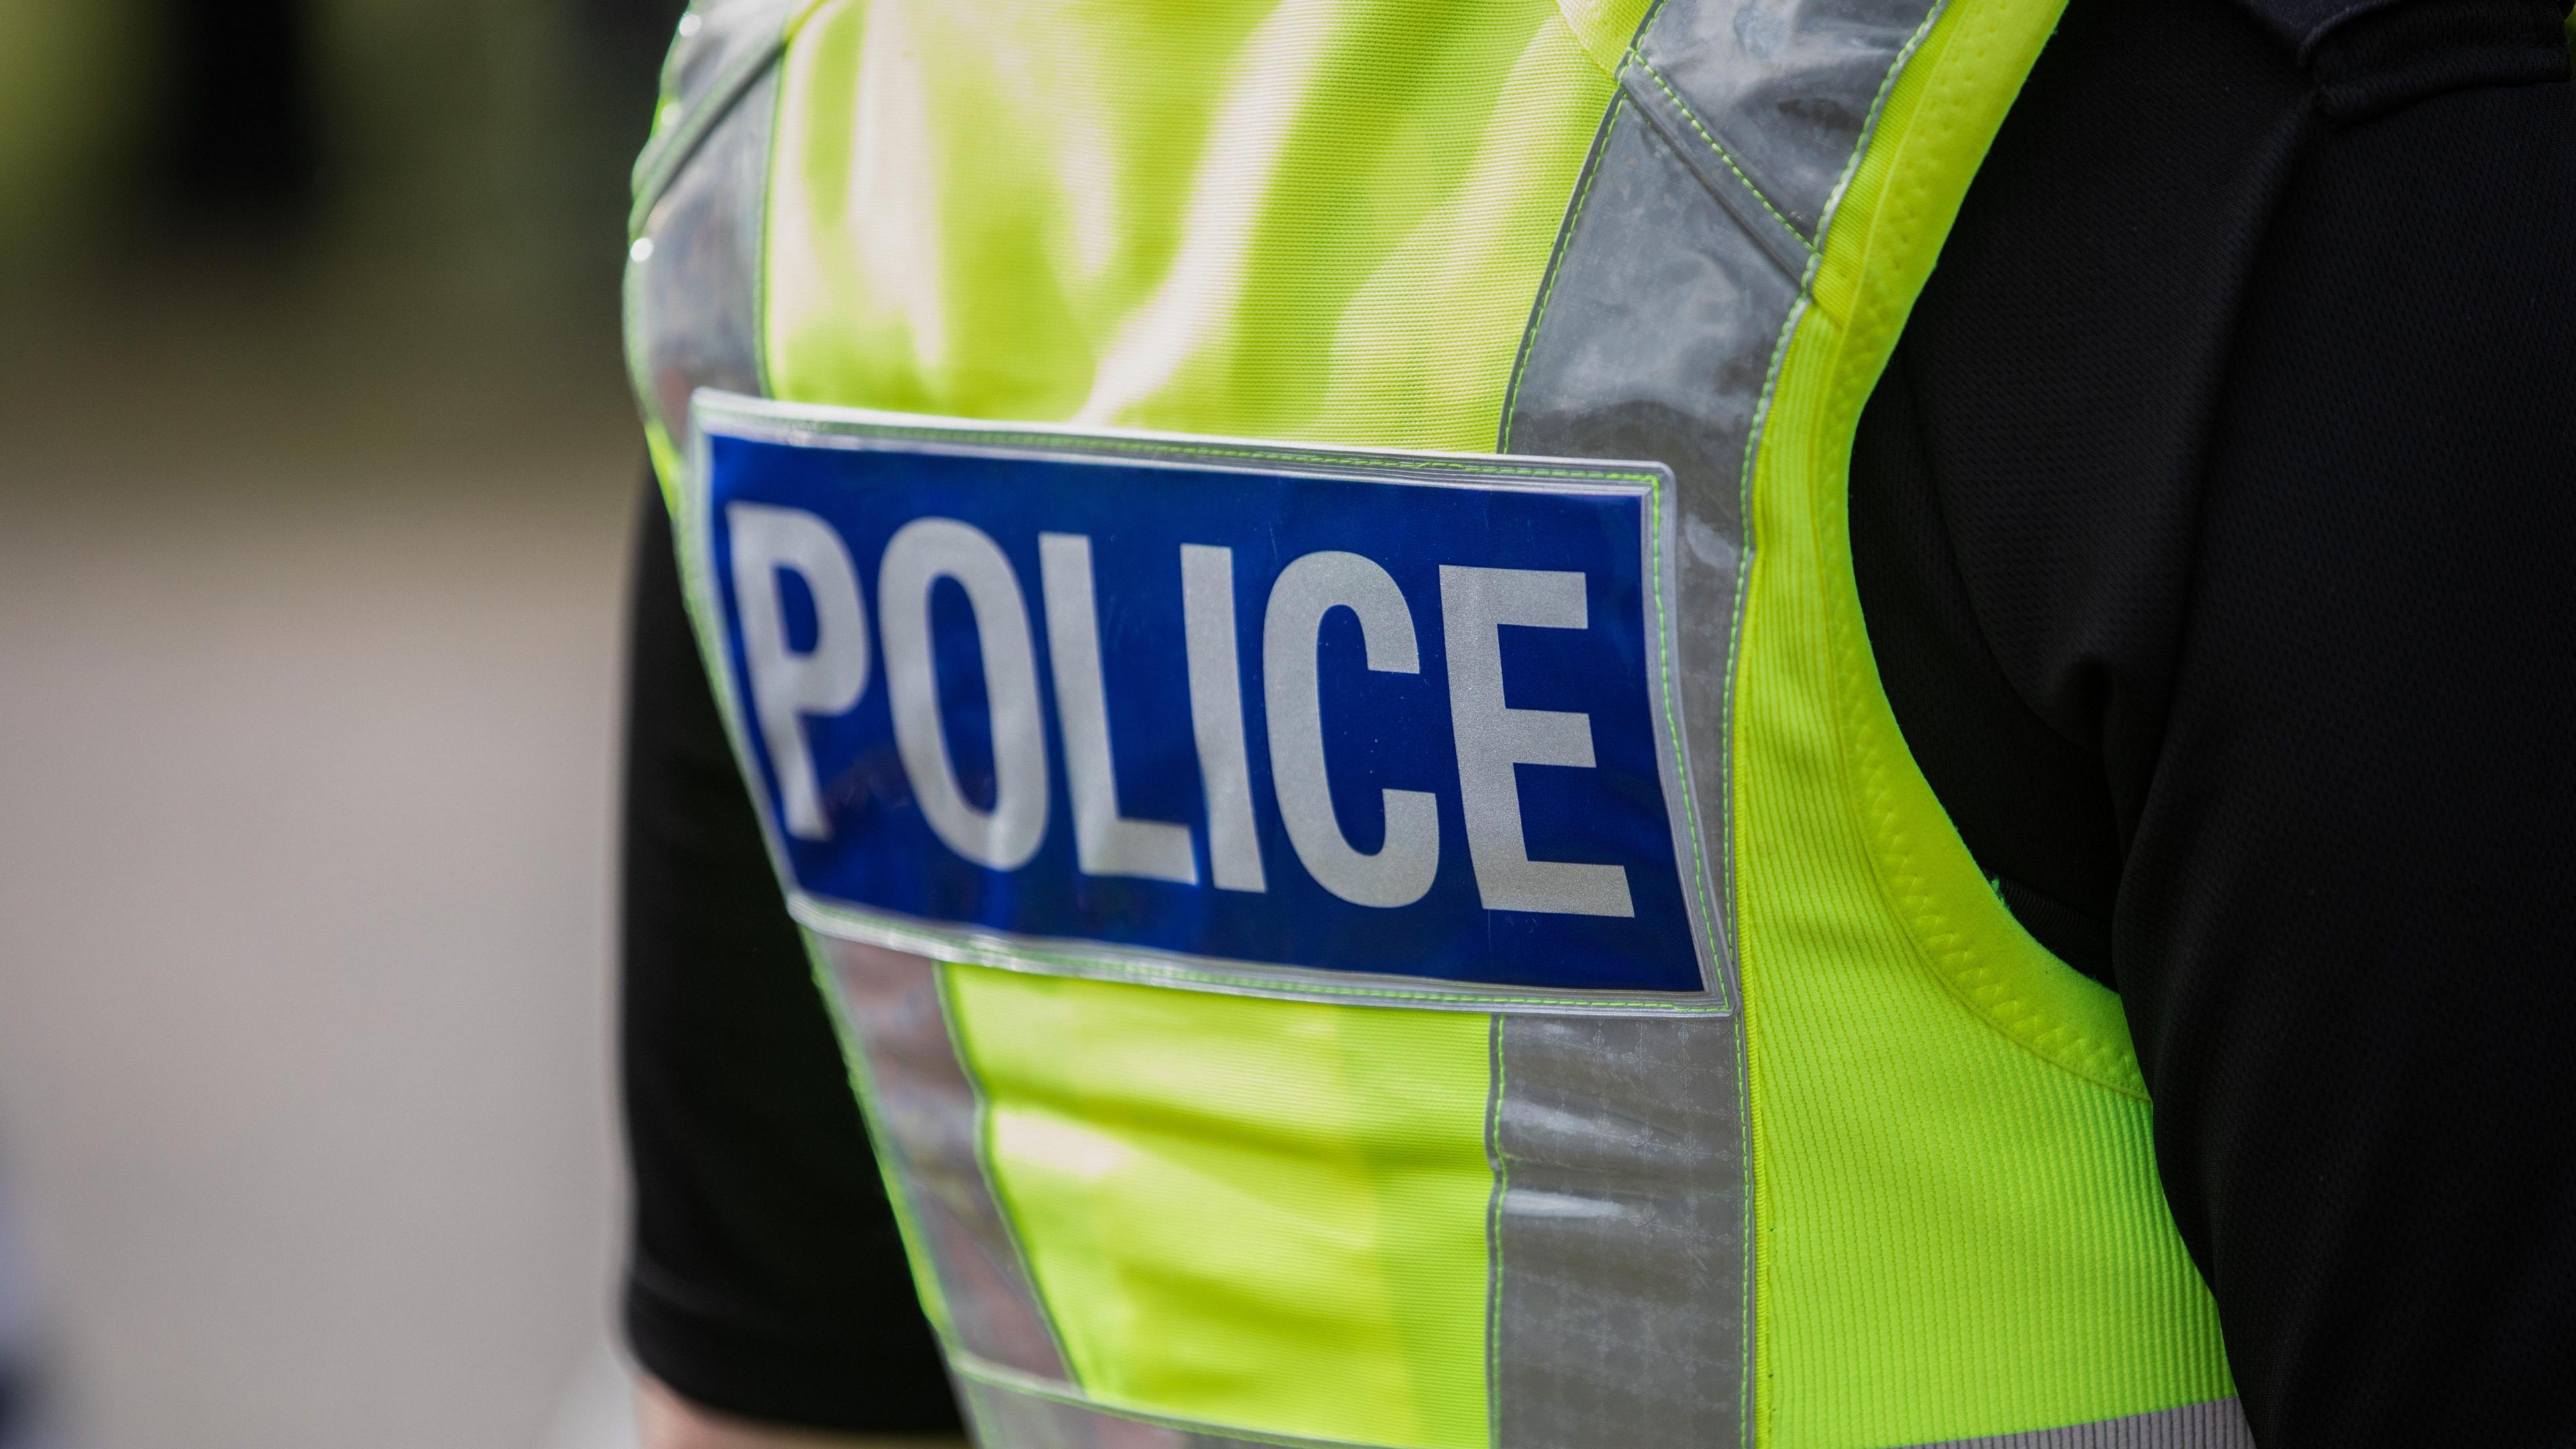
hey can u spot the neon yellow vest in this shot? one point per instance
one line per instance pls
(1897, 1188)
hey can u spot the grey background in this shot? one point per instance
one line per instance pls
(306, 751)
(316, 475)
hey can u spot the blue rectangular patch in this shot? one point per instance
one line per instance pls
(1232, 714)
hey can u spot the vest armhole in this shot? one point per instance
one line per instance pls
(1927, 146)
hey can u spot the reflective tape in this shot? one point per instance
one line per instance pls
(718, 40)
(692, 275)
(1622, 1284)
(1623, 1269)
(1786, 89)
(1683, 260)
(722, 47)
(928, 1120)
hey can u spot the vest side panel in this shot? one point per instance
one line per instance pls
(1621, 1279)
(1963, 1233)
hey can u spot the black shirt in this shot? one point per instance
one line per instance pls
(2214, 527)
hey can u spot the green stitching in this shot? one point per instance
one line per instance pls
(1138, 448)
(1565, 234)
(1745, 1403)
(1869, 125)
(656, 170)
(1693, 117)
(1665, 650)
(1142, 973)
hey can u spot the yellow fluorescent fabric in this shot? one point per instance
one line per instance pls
(1961, 1231)
(1305, 220)
(1308, 220)
(1605, 27)
(1260, 1213)
(1325, 221)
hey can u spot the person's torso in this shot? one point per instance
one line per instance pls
(1683, 1083)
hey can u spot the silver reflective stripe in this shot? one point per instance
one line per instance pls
(928, 1118)
(1787, 89)
(1623, 1276)
(2219, 1424)
(693, 275)
(1007, 1415)
(718, 39)
(1662, 108)
(1654, 341)
(1683, 259)
(1622, 1287)
(722, 46)
(693, 299)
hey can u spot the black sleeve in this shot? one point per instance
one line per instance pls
(2344, 930)
(2216, 533)
(766, 1278)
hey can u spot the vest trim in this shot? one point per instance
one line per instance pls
(709, 70)
(1619, 1299)
(693, 277)
(1647, 1304)
(1007, 1412)
(929, 1118)
(2217, 1424)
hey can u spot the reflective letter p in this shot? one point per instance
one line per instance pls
(785, 686)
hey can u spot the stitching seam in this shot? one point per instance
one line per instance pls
(1666, 647)
(1750, 1407)
(1692, 117)
(1555, 269)
(1593, 161)
(1955, 959)
(1877, 108)
(1143, 973)
(1119, 447)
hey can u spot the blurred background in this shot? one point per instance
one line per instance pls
(316, 476)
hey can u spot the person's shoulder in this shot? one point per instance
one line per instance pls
(2365, 58)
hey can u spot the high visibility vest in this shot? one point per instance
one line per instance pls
(1337, 1083)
